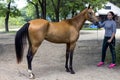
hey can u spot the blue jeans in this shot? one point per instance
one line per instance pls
(112, 49)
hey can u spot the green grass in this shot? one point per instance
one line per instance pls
(90, 29)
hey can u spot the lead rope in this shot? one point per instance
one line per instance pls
(97, 37)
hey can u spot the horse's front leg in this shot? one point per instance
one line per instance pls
(67, 57)
(70, 63)
(72, 46)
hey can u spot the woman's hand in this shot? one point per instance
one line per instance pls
(109, 41)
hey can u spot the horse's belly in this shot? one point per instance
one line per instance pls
(57, 38)
(61, 34)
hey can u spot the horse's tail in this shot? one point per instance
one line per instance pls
(20, 40)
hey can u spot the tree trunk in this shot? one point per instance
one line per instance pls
(7, 17)
(43, 8)
(65, 16)
(73, 12)
(57, 15)
(56, 9)
(37, 10)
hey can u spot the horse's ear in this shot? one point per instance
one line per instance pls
(89, 6)
(92, 7)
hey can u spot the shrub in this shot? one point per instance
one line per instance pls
(108, 57)
(118, 53)
(15, 22)
(2, 21)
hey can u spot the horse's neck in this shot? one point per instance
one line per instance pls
(79, 20)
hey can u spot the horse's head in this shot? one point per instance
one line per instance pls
(90, 15)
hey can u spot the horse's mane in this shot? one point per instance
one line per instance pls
(70, 21)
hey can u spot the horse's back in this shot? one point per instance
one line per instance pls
(38, 22)
(37, 30)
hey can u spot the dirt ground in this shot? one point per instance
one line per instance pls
(48, 63)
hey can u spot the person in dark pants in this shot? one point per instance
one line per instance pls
(109, 39)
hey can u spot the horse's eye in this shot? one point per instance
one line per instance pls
(90, 13)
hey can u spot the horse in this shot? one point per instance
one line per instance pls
(65, 31)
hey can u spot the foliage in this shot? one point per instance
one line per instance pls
(67, 7)
(72, 6)
(36, 6)
(28, 12)
(2, 9)
(14, 22)
(2, 20)
(116, 2)
(13, 12)
(50, 10)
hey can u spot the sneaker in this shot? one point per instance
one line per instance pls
(112, 65)
(100, 64)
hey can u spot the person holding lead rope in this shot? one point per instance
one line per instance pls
(109, 39)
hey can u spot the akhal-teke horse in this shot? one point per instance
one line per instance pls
(65, 31)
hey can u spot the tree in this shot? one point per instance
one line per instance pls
(2, 9)
(56, 6)
(42, 5)
(116, 2)
(7, 10)
(43, 8)
(7, 16)
(62, 8)
(35, 4)
(28, 12)
(73, 6)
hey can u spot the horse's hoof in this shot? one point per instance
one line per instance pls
(72, 72)
(67, 70)
(31, 76)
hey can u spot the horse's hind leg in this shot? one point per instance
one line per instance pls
(29, 60)
(31, 52)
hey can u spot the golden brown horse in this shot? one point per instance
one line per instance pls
(66, 31)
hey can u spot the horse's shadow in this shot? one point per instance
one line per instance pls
(49, 70)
